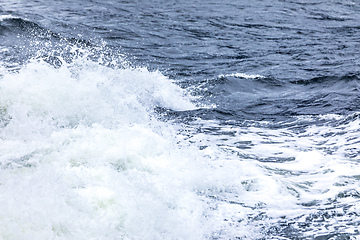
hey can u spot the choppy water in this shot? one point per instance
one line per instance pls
(179, 119)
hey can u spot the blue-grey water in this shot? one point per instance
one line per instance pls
(179, 119)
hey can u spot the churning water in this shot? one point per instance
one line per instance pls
(179, 119)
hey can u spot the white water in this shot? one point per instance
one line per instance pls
(242, 75)
(4, 17)
(83, 157)
(299, 174)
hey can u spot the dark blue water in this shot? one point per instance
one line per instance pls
(285, 71)
(306, 51)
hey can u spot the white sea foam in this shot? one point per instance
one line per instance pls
(242, 75)
(5, 17)
(84, 93)
(82, 157)
(292, 169)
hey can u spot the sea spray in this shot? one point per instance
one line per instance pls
(82, 157)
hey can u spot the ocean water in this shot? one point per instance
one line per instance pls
(179, 119)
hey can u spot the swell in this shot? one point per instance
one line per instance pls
(243, 96)
(23, 40)
(18, 25)
(329, 80)
(27, 28)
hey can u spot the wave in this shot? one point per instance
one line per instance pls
(22, 27)
(24, 40)
(329, 80)
(82, 155)
(19, 25)
(86, 92)
(85, 154)
(244, 96)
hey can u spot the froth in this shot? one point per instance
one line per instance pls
(4, 17)
(242, 75)
(84, 93)
(83, 158)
